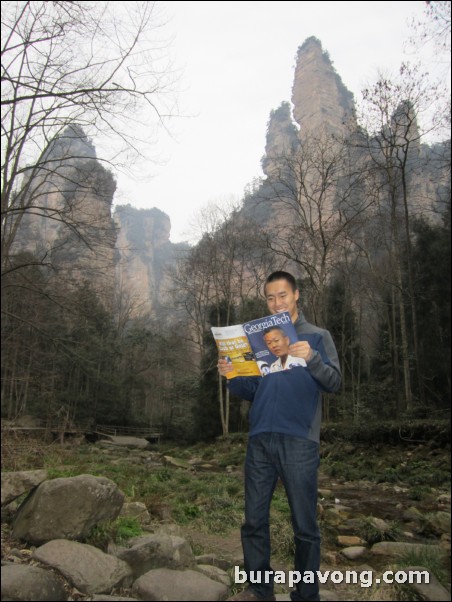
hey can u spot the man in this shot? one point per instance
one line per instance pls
(278, 343)
(284, 443)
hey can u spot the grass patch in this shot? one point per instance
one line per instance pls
(117, 531)
(420, 492)
(409, 465)
(374, 530)
(282, 539)
(395, 591)
(432, 558)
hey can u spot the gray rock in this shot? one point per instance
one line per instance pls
(354, 552)
(166, 584)
(429, 591)
(439, 522)
(86, 567)
(136, 510)
(25, 582)
(213, 572)
(15, 484)
(214, 560)
(397, 548)
(156, 551)
(67, 508)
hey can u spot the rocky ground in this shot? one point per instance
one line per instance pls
(391, 484)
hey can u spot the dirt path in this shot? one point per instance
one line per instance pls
(226, 546)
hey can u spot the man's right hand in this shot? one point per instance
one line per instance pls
(224, 367)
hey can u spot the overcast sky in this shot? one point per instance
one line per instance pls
(238, 61)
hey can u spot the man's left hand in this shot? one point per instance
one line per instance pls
(302, 349)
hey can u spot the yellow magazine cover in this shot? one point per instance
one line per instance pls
(233, 345)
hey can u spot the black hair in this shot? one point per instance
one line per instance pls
(281, 275)
(272, 328)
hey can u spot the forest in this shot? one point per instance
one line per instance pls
(362, 220)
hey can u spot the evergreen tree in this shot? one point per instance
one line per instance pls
(432, 263)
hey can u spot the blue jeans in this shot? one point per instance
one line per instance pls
(295, 461)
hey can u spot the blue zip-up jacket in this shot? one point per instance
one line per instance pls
(290, 401)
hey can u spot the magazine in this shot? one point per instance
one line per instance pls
(249, 353)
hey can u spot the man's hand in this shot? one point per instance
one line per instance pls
(302, 349)
(224, 367)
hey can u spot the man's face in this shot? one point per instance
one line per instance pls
(277, 342)
(281, 297)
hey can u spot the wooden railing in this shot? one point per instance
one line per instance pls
(101, 429)
(127, 431)
(53, 426)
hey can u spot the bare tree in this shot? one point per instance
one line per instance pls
(316, 199)
(70, 70)
(400, 194)
(77, 65)
(216, 279)
(434, 27)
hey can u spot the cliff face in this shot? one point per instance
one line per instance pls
(68, 221)
(69, 225)
(282, 138)
(323, 115)
(322, 105)
(320, 99)
(144, 251)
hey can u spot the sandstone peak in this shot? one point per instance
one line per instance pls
(282, 137)
(320, 99)
(71, 144)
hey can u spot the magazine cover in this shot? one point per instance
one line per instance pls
(233, 345)
(258, 347)
(270, 338)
